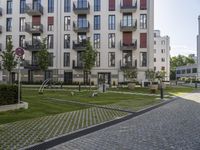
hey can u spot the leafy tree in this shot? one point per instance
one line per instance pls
(43, 56)
(150, 75)
(89, 57)
(130, 74)
(160, 75)
(177, 61)
(8, 59)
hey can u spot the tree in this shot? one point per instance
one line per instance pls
(8, 59)
(89, 58)
(150, 75)
(43, 56)
(177, 61)
(130, 74)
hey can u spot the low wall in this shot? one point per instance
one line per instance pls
(23, 105)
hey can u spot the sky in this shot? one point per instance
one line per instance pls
(179, 20)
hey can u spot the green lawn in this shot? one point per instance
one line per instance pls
(41, 105)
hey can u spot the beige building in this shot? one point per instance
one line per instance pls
(162, 53)
(120, 30)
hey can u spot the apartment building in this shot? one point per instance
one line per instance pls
(162, 53)
(121, 31)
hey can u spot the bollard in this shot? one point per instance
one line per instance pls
(161, 91)
(196, 84)
(103, 88)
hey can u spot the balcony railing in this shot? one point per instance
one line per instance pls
(34, 9)
(79, 45)
(32, 45)
(0, 29)
(128, 25)
(1, 11)
(128, 7)
(131, 46)
(31, 65)
(31, 28)
(77, 65)
(81, 26)
(82, 7)
(128, 64)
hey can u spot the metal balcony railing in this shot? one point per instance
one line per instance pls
(32, 45)
(31, 65)
(31, 28)
(81, 7)
(34, 9)
(128, 25)
(82, 25)
(78, 65)
(128, 64)
(79, 45)
(130, 46)
(128, 7)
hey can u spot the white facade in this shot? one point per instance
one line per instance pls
(112, 73)
(162, 53)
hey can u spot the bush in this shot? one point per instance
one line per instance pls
(8, 94)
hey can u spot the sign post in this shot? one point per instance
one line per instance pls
(19, 52)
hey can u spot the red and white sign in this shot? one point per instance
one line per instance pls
(19, 51)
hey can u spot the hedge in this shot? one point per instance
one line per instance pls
(8, 94)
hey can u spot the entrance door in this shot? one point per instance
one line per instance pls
(104, 78)
(68, 78)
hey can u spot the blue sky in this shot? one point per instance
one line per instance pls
(179, 20)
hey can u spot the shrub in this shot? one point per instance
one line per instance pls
(8, 94)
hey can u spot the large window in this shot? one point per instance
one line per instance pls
(21, 40)
(143, 40)
(50, 23)
(50, 59)
(22, 24)
(111, 22)
(9, 6)
(111, 59)
(97, 22)
(9, 24)
(67, 41)
(127, 58)
(97, 41)
(50, 6)
(111, 5)
(22, 6)
(143, 21)
(67, 5)
(67, 23)
(66, 60)
(97, 5)
(111, 40)
(50, 42)
(143, 59)
(8, 37)
(97, 62)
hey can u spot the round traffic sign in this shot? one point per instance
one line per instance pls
(19, 51)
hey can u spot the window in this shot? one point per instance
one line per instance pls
(9, 24)
(67, 5)
(188, 70)
(127, 20)
(143, 40)
(163, 59)
(66, 59)
(22, 6)
(111, 59)
(143, 59)
(50, 42)
(21, 40)
(154, 42)
(97, 5)
(8, 37)
(22, 24)
(50, 59)
(111, 40)
(194, 70)
(111, 22)
(143, 21)
(50, 6)
(111, 5)
(50, 23)
(97, 24)
(67, 23)
(154, 59)
(162, 50)
(67, 41)
(96, 40)
(127, 58)
(163, 68)
(9, 6)
(154, 68)
(97, 62)
(143, 4)
(178, 72)
(163, 42)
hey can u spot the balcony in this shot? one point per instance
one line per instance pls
(78, 65)
(81, 26)
(1, 12)
(128, 64)
(30, 65)
(34, 9)
(30, 28)
(32, 46)
(131, 46)
(79, 46)
(128, 8)
(0, 29)
(82, 7)
(128, 25)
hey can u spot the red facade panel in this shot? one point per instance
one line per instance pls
(127, 38)
(50, 20)
(36, 20)
(143, 4)
(143, 40)
(127, 3)
(111, 5)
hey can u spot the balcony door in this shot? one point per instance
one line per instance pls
(82, 3)
(36, 39)
(82, 21)
(127, 3)
(127, 20)
(127, 38)
(82, 38)
(127, 58)
(36, 4)
(79, 59)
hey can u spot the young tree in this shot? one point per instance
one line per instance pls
(131, 74)
(89, 57)
(150, 75)
(43, 56)
(8, 59)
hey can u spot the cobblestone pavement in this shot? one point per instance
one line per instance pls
(175, 126)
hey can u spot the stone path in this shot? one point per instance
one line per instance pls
(175, 126)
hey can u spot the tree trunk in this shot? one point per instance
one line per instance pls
(10, 77)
